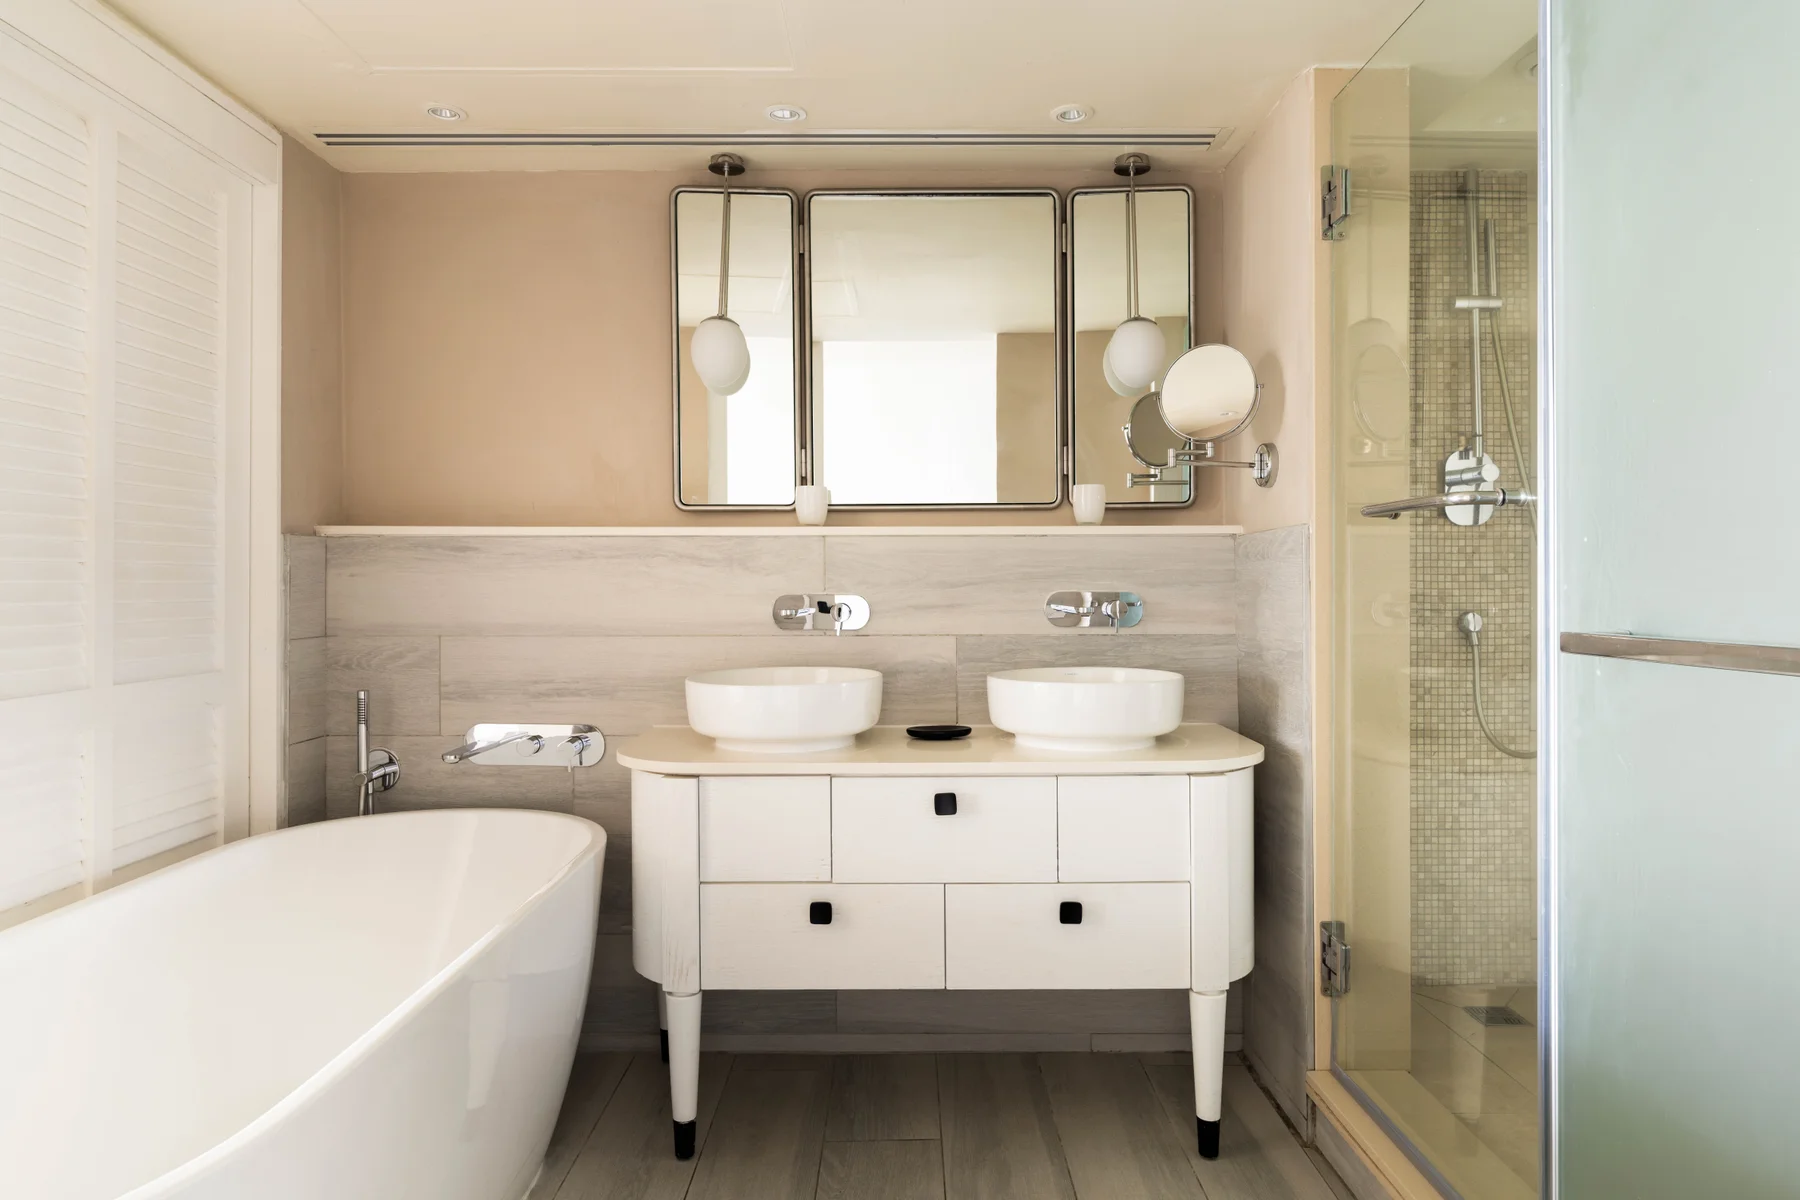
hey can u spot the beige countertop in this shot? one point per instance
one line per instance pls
(886, 750)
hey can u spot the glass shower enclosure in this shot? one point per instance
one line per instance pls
(1433, 778)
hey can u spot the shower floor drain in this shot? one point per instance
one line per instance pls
(1494, 1014)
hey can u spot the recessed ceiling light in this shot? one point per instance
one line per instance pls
(1071, 114)
(786, 112)
(444, 112)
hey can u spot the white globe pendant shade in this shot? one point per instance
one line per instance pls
(721, 355)
(1136, 354)
(1112, 380)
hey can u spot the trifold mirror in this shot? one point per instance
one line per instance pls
(945, 353)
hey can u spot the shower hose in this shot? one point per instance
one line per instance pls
(1481, 714)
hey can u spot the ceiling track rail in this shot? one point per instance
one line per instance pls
(1196, 139)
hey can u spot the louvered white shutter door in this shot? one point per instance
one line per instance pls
(47, 610)
(124, 378)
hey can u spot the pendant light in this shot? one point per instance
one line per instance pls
(1134, 357)
(720, 354)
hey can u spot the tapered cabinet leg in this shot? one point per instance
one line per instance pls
(1206, 1017)
(683, 1036)
(662, 1021)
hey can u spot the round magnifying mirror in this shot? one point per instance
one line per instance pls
(1148, 436)
(1208, 391)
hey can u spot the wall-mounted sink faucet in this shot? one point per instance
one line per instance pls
(1086, 610)
(814, 613)
(380, 769)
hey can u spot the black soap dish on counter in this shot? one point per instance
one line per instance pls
(937, 733)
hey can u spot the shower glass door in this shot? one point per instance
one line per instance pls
(1433, 784)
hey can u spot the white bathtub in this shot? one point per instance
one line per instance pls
(385, 1007)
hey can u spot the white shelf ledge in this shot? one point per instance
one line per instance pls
(417, 531)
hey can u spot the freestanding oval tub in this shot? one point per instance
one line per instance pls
(382, 1007)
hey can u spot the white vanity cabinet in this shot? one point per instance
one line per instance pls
(973, 864)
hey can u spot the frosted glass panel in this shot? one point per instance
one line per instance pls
(1676, 307)
(1679, 824)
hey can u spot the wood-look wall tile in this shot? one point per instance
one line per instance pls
(768, 1012)
(1209, 661)
(996, 583)
(602, 794)
(305, 585)
(306, 782)
(1275, 708)
(556, 585)
(625, 685)
(1012, 1012)
(306, 689)
(426, 781)
(399, 673)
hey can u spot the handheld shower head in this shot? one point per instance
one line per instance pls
(1470, 624)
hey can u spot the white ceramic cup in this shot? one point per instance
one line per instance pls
(1089, 502)
(811, 502)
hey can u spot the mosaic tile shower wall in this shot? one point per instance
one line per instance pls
(1474, 849)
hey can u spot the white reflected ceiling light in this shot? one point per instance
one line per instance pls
(1135, 355)
(785, 112)
(444, 112)
(1070, 114)
(719, 352)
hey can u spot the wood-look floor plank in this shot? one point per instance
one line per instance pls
(911, 1170)
(883, 1098)
(1259, 1157)
(1115, 1135)
(630, 1155)
(592, 1082)
(1000, 1140)
(768, 1135)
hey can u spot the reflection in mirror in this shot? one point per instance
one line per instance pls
(934, 351)
(1097, 270)
(736, 449)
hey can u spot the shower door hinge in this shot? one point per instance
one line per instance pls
(1334, 959)
(1334, 202)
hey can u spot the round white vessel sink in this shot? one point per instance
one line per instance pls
(784, 710)
(1085, 708)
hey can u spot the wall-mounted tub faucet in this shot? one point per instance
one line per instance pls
(380, 769)
(532, 745)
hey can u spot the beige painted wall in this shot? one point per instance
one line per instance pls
(312, 416)
(507, 358)
(1276, 298)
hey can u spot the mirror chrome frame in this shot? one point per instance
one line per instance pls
(794, 202)
(1193, 491)
(1063, 449)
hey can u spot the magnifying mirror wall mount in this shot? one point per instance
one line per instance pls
(1262, 466)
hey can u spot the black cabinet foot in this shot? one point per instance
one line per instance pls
(684, 1140)
(665, 1046)
(1208, 1133)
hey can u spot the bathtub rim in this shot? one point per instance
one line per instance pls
(335, 1067)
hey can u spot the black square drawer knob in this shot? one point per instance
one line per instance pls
(1070, 913)
(820, 912)
(944, 804)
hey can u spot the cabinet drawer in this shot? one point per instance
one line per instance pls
(1122, 828)
(765, 829)
(1130, 935)
(762, 935)
(898, 831)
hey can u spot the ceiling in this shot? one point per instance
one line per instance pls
(712, 67)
